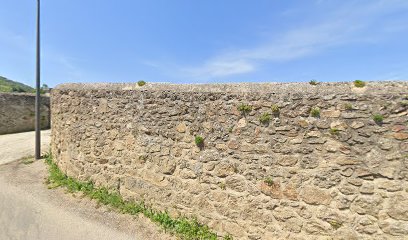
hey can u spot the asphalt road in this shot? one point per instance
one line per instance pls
(18, 145)
(29, 210)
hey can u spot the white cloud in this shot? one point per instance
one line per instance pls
(352, 22)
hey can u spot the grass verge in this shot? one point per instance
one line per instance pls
(183, 227)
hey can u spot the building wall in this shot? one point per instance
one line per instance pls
(337, 176)
(17, 112)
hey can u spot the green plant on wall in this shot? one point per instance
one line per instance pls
(199, 141)
(334, 131)
(378, 119)
(315, 112)
(275, 110)
(359, 83)
(268, 181)
(335, 224)
(141, 83)
(182, 227)
(244, 108)
(348, 106)
(313, 82)
(265, 118)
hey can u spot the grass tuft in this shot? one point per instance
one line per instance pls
(315, 112)
(244, 108)
(265, 118)
(268, 181)
(183, 227)
(141, 83)
(359, 83)
(275, 109)
(199, 141)
(378, 118)
(334, 131)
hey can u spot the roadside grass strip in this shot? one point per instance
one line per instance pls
(182, 227)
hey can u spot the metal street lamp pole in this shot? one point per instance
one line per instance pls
(37, 95)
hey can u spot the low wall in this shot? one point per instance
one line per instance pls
(337, 176)
(17, 112)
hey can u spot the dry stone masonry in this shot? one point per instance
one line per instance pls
(339, 174)
(17, 113)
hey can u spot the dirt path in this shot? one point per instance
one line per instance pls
(19, 145)
(29, 210)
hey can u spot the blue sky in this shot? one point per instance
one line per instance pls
(206, 41)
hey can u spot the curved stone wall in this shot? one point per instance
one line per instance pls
(340, 175)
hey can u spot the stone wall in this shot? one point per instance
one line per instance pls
(17, 112)
(338, 176)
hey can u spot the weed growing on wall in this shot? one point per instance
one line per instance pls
(275, 110)
(378, 118)
(185, 228)
(359, 83)
(244, 108)
(265, 118)
(199, 141)
(141, 83)
(313, 82)
(315, 112)
(334, 131)
(348, 106)
(335, 225)
(268, 181)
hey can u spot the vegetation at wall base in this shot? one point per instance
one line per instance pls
(183, 227)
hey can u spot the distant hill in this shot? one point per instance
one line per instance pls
(7, 85)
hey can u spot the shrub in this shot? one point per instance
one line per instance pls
(199, 141)
(378, 118)
(313, 82)
(141, 83)
(268, 181)
(265, 118)
(359, 83)
(315, 112)
(275, 109)
(244, 108)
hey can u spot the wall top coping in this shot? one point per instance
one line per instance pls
(377, 87)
